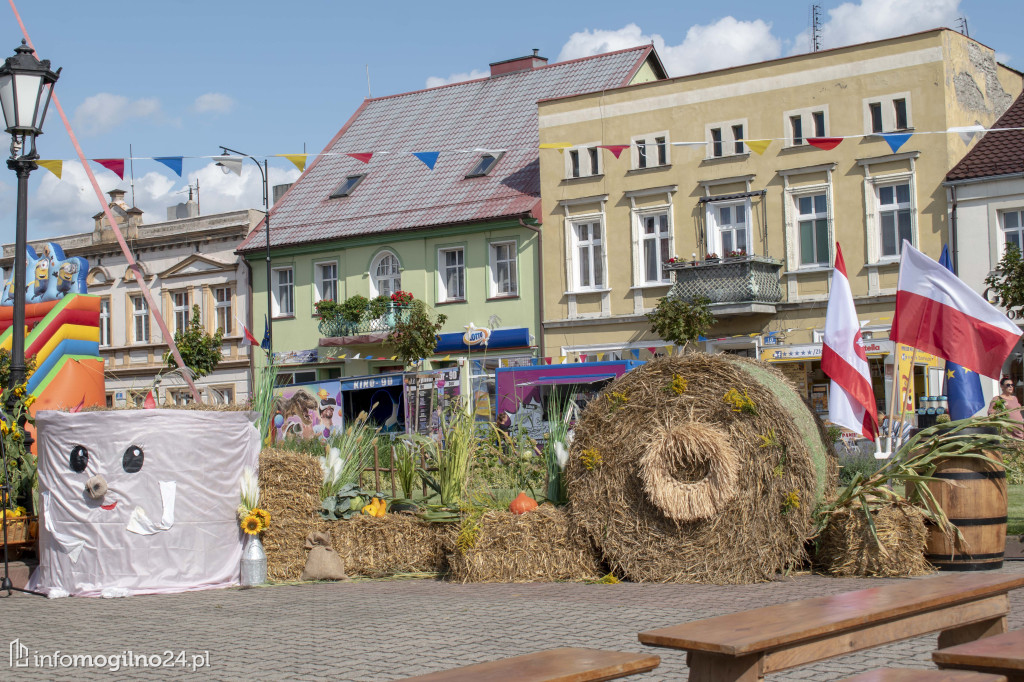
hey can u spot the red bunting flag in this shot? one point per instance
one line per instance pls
(547, 360)
(116, 165)
(150, 403)
(362, 156)
(615, 149)
(652, 350)
(825, 143)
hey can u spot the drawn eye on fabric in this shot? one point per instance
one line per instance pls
(79, 459)
(133, 459)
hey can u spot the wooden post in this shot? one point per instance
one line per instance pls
(394, 491)
(376, 468)
(423, 464)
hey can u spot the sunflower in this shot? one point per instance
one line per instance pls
(251, 525)
(263, 515)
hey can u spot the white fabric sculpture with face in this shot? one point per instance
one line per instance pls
(141, 501)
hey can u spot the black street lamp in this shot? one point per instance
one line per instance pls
(25, 88)
(235, 166)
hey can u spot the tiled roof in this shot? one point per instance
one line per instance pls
(998, 152)
(401, 193)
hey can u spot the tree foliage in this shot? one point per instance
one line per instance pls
(681, 321)
(199, 349)
(416, 336)
(1007, 282)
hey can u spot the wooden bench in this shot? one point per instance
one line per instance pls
(908, 675)
(1002, 654)
(749, 645)
(568, 664)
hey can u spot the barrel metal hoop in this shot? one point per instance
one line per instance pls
(944, 558)
(991, 521)
(968, 475)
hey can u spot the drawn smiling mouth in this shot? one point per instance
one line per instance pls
(110, 506)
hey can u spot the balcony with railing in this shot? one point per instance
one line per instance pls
(742, 285)
(374, 322)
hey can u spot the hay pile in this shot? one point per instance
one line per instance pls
(395, 543)
(290, 491)
(538, 546)
(847, 547)
(698, 469)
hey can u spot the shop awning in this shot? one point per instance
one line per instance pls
(498, 339)
(376, 381)
(573, 379)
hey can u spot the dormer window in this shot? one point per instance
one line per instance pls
(484, 165)
(346, 188)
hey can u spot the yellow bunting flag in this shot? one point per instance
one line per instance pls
(600, 357)
(757, 145)
(555, 145)
(298, 159)
(342, 356)
(55, 166)
(447, 357)
(561, 360)
(668, 350)
(394, 357)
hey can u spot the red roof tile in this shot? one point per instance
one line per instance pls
(401, 193)
(998, 152)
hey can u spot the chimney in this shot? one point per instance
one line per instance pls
(528, 63)
(117, 197)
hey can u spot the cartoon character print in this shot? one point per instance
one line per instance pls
(66, 277)
(41, 280)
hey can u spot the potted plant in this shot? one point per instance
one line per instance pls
(713, 257)
(327, 310)
(19, 499)
(377, 307)
(401, 298)
(353, 310)
(738, 253)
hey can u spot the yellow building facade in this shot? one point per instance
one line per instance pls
(765, 167)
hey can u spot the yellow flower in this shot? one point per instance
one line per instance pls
(29, 400)
(251, 525)
(679, 384)
(263, 515)
(591, 458)
(4, 429)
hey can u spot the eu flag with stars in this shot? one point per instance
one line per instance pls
(963, 387)
(266, 334)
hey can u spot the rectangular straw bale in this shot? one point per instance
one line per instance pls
(394, 543)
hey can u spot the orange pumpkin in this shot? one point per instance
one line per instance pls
(522, 504)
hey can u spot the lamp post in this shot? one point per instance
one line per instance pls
(25, 87)
(227, 167)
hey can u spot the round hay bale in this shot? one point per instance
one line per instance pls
(847, 547)
(539, 546)
(290, 491)
(698, 469)
(393, 543)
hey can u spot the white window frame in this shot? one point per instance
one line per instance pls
(277, 309)
(873, 216)
(1019, 229)
(798, 218)
(105, 321)
(444, 295)
(140, 315)
(180, 312)
(714, 229)
(887, 103)
(574, 246)
(649, 143)
(582, 153)
(728, 139)
(375, 280)
(216, 394)
(895, 208)
(640, 239)
(792, 220)
(806, 116)
(319, 293)
(224, 309)
(513, 264)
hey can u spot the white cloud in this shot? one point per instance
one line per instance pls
(435, 81)
(213, 102)
(726, 42)
(103, 112)
(868, 20)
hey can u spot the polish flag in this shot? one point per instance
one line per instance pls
(851, 400)
(938, 313)
(253, 341)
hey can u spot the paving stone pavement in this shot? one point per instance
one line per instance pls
(385, 630)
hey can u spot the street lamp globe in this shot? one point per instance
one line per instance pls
(25, 88)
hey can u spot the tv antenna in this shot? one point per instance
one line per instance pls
(189, 189)
(816, 27)
(961, 23)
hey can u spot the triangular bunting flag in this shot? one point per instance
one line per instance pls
(356, 356)
(368, 357)
(668, 350)
(967, 133)
(115, 165)
(615, 149)
(635, 353)
(652, 350)
(447, 357)
(172, 162)
(55, 166)
(562, 359)
(429, 158)
(825, 143)
(150, 402)
(394, 357)
(298, 159)
(547, 360)
(342, 356)
(362, 156)
(555, 145)
(896, 140)
(600, 357)
(757, 146)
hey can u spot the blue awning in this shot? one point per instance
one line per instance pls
(517, 337)
(566, 379)
(375, 381)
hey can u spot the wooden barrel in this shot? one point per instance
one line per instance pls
(976, 504)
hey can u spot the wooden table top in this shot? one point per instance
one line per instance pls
(1005, 651)
(568, 664)
(783, 624)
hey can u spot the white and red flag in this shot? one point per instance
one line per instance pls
(851, 399)
(253, 341)
(938, 313)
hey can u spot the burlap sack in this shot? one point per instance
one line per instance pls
(323, 563)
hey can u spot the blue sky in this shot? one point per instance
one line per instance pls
(179, 78)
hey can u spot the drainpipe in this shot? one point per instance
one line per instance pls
(249, 313)
(540, 285)
(952, 230)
